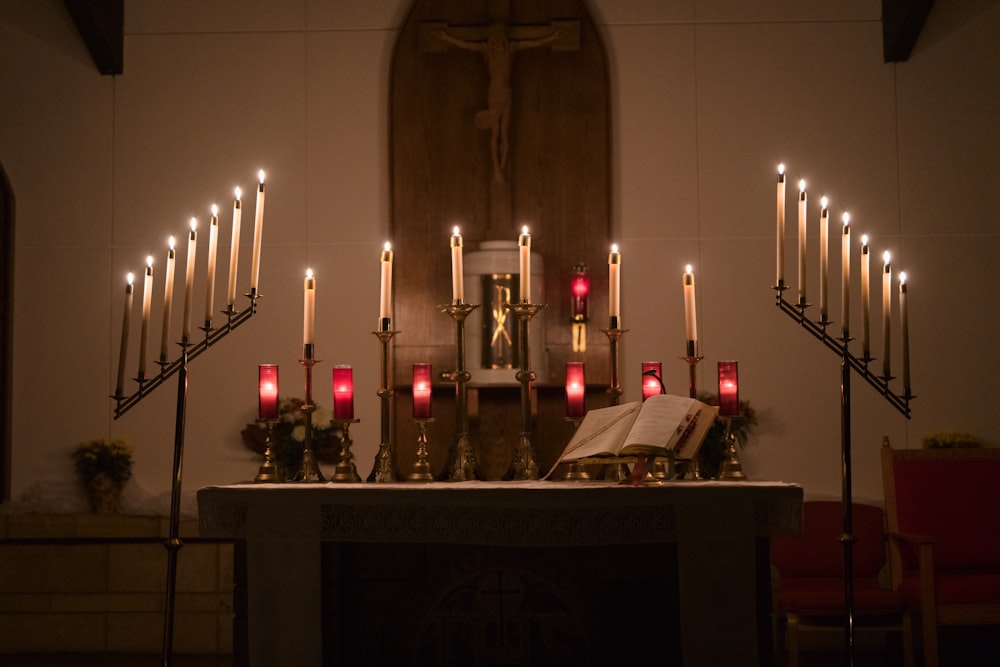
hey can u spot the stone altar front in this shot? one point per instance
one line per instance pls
(672, 574)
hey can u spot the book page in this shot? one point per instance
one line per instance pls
(689, 443)
(601, 432)
(662, 422)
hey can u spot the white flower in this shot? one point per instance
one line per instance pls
(299, 433)
(321, 417)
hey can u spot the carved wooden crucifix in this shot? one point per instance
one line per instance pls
(498, 43)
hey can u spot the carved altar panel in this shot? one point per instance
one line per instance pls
(556, 178)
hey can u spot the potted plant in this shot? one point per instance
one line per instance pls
(104, 467)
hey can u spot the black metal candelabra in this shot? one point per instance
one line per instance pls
(901, 402)
(123, 403)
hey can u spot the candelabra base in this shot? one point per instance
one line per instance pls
(525, 465)
(309, 472)
(384, 470)
(576, 473)
(463, 468)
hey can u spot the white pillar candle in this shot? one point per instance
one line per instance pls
(824, 257)
(123, 350)
(802, 241)
(690, 316)
(213, 248)
(780, 279)
(192, 253)
(886, 311)
(614, 288)
(524, 253)
(308, 314)
(845, 270)
(905, 329)
(865, 298)
(234, 251)
(385, 292)
(258, 233)
(147, 300)
(168, 299)
(457, 282)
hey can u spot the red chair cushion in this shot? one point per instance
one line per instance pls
(818, 551)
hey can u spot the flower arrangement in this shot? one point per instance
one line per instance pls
(713, 448)
(950, 440)
(103, 468)
(97, 457)
(289, 434)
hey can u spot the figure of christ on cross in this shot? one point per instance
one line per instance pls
(498, 51)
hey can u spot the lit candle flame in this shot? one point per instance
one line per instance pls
(688, 268)
(847, 219)
(194, 224)
(309, 273)
(781, 168)
(260, 176)
(130, 278)
(387, 246)
(238, 192)
(614, 247)
(824, 202)
(170, 242)
(215, 210)
(902, 277)
(455, 232)
(524, 230)
(886, 257)
(149, 261)
(802, 185)
(864, 239)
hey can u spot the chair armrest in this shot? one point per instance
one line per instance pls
(911, 539)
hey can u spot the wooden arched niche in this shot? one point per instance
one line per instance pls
(444, 160)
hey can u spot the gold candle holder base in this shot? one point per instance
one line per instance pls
(268, 471)
(309, 472)
(461, 458)
(731, 469)
(346, 471)
(525, 463)
(421, 467)
(384, 469)
(576, 471)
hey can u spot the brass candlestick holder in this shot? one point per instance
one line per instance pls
(731, 470)
(692, 358)
(384, 469)
(345, 471)
(309, 472)
(268, 471)
(422, 466)
(525, 462)
(461, 465)
(618, 472)
(576, 471)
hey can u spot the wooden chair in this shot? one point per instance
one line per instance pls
(943, 513)
(810, 571)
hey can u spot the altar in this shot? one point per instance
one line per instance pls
(503, 573)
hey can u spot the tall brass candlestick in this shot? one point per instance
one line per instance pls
(384, 469)
(525, 463)
(309, 472)
(692, 359)
(615, 387)
(461, 465)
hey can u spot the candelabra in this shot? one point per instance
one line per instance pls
(421, 471)
(309, 472)
(461, 466)
(384, 469)
(268, 472)
(147, 386)
(345, 471)
(901, 402)
(692, 358)
(525, 463)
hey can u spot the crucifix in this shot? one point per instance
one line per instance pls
(498, 43)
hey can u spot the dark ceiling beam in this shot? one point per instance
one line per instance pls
(101, 24)
(902, 21)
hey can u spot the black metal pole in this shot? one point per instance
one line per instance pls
(847, 538)
(173, 542)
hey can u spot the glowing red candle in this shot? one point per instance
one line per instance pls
(421, 391)
(729, 390)
(343, 392)
(580, 294)
(652, 379)
(267, 387)
(575, 389)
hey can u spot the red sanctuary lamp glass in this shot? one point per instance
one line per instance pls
(580, 293)
(575, 390)
(729, 390)
(652, 379)
(343, 393)
(421, 391)
(267, 392)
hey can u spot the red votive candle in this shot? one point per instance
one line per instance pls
(267, 389)
(343, 393)
(580, 294)
(421, 391)
(652, 377)
(729, 390)
(575, 390)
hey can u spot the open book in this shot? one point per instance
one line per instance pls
(664, 423)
